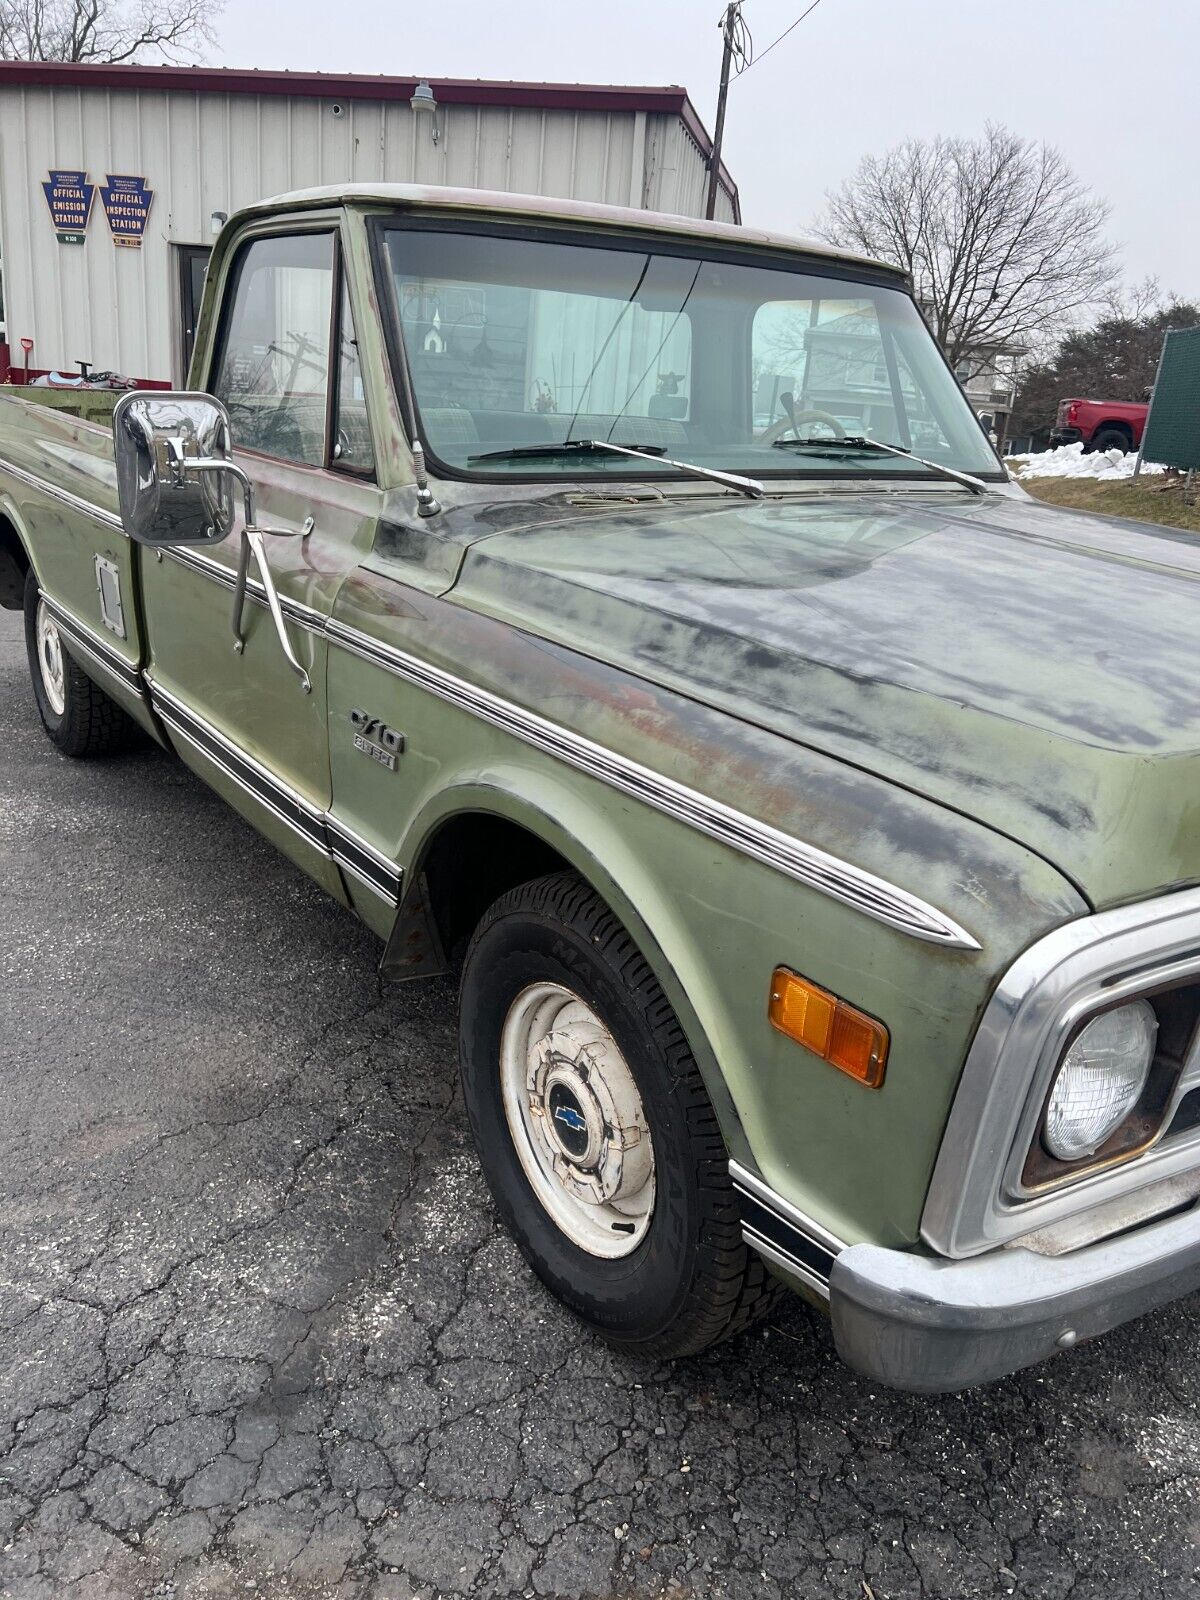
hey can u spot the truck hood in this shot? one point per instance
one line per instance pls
(1033, 668)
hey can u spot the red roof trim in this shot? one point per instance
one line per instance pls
(666, 99)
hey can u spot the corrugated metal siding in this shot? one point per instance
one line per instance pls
(677, 172)
(202, 153)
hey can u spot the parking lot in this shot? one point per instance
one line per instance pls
(262, 1332)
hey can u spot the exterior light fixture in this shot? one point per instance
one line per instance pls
(831, 1028)
(218, 220)
(424, 100)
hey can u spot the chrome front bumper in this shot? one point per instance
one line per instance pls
(918, 1321)
(921, 1322)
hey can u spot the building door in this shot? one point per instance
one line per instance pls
(193, 263)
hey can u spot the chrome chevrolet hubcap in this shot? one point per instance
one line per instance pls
(50, 660)
(576, 1119)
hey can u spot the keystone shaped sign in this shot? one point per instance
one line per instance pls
(69, 196)
(127, 203)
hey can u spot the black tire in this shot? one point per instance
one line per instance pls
(691, 1280)
(89, 724)
(1112, 439)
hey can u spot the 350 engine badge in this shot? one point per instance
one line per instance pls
(373, 738)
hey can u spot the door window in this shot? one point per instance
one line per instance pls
(351, 436)
(273, 372)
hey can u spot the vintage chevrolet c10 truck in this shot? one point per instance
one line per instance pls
(630, 615)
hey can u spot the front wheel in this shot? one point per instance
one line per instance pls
(599, 1143)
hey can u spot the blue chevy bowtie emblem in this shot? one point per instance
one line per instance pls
(570, 1118)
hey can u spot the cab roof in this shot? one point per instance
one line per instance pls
(493, 202)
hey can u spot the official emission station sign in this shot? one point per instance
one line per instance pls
(69, 196)
(125, 198)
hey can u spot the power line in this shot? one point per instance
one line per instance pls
(737, 51)
(741, 39)
(751, 59)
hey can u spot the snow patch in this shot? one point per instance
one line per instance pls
(1069, 461)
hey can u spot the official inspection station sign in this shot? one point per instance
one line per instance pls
(69, 196)
(127, 203)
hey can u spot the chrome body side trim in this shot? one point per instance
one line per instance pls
(785, 1260)
(367, 864)
(782, 1233)
(98, 651)
(204, 566)
(840, 880)
(319, 829)
(974, 1201)
(829, 875)
(73, 502)
(251, 776)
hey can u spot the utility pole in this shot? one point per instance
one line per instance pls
(728, 22)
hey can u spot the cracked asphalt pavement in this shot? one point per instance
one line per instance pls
(261, 1333)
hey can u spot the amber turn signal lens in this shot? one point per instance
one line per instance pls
(848, 1039)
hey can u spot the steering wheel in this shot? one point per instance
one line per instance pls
(794, 421)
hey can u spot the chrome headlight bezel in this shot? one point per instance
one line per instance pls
(978, 1197)
(1032, 1171)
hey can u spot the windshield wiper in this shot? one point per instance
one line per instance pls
(565, 447)
(649, 452)
(858, 441)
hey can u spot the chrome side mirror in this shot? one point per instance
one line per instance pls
(175, 475)
(175, 483)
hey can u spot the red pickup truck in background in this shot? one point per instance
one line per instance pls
(1101, 424)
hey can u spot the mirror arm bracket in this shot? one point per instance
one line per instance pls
(182, 465)
(252, 540)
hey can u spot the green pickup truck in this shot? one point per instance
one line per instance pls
(628, 615)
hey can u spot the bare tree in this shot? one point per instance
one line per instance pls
(106, 30)
(1003, 243)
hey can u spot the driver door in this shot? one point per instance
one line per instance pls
(237, 710)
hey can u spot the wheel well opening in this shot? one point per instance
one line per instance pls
(473, 860)
(1122, 428)
(14, 564)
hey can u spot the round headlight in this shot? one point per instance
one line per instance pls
(1100, 1081)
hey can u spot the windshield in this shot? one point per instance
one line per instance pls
(515, 343)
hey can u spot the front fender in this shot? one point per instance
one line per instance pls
(712, 920)
(597, 845)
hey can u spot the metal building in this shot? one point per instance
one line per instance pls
(113, 180)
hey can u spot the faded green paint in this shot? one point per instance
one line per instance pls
(719, 922)
(991, 656)
(64, 540)
(921, 683)
(90, 405)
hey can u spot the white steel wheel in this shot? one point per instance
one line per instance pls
(50, 660)
(577, 1121)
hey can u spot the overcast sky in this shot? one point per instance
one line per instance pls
(1112, 83)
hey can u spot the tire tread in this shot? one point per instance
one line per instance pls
(732, 1287)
